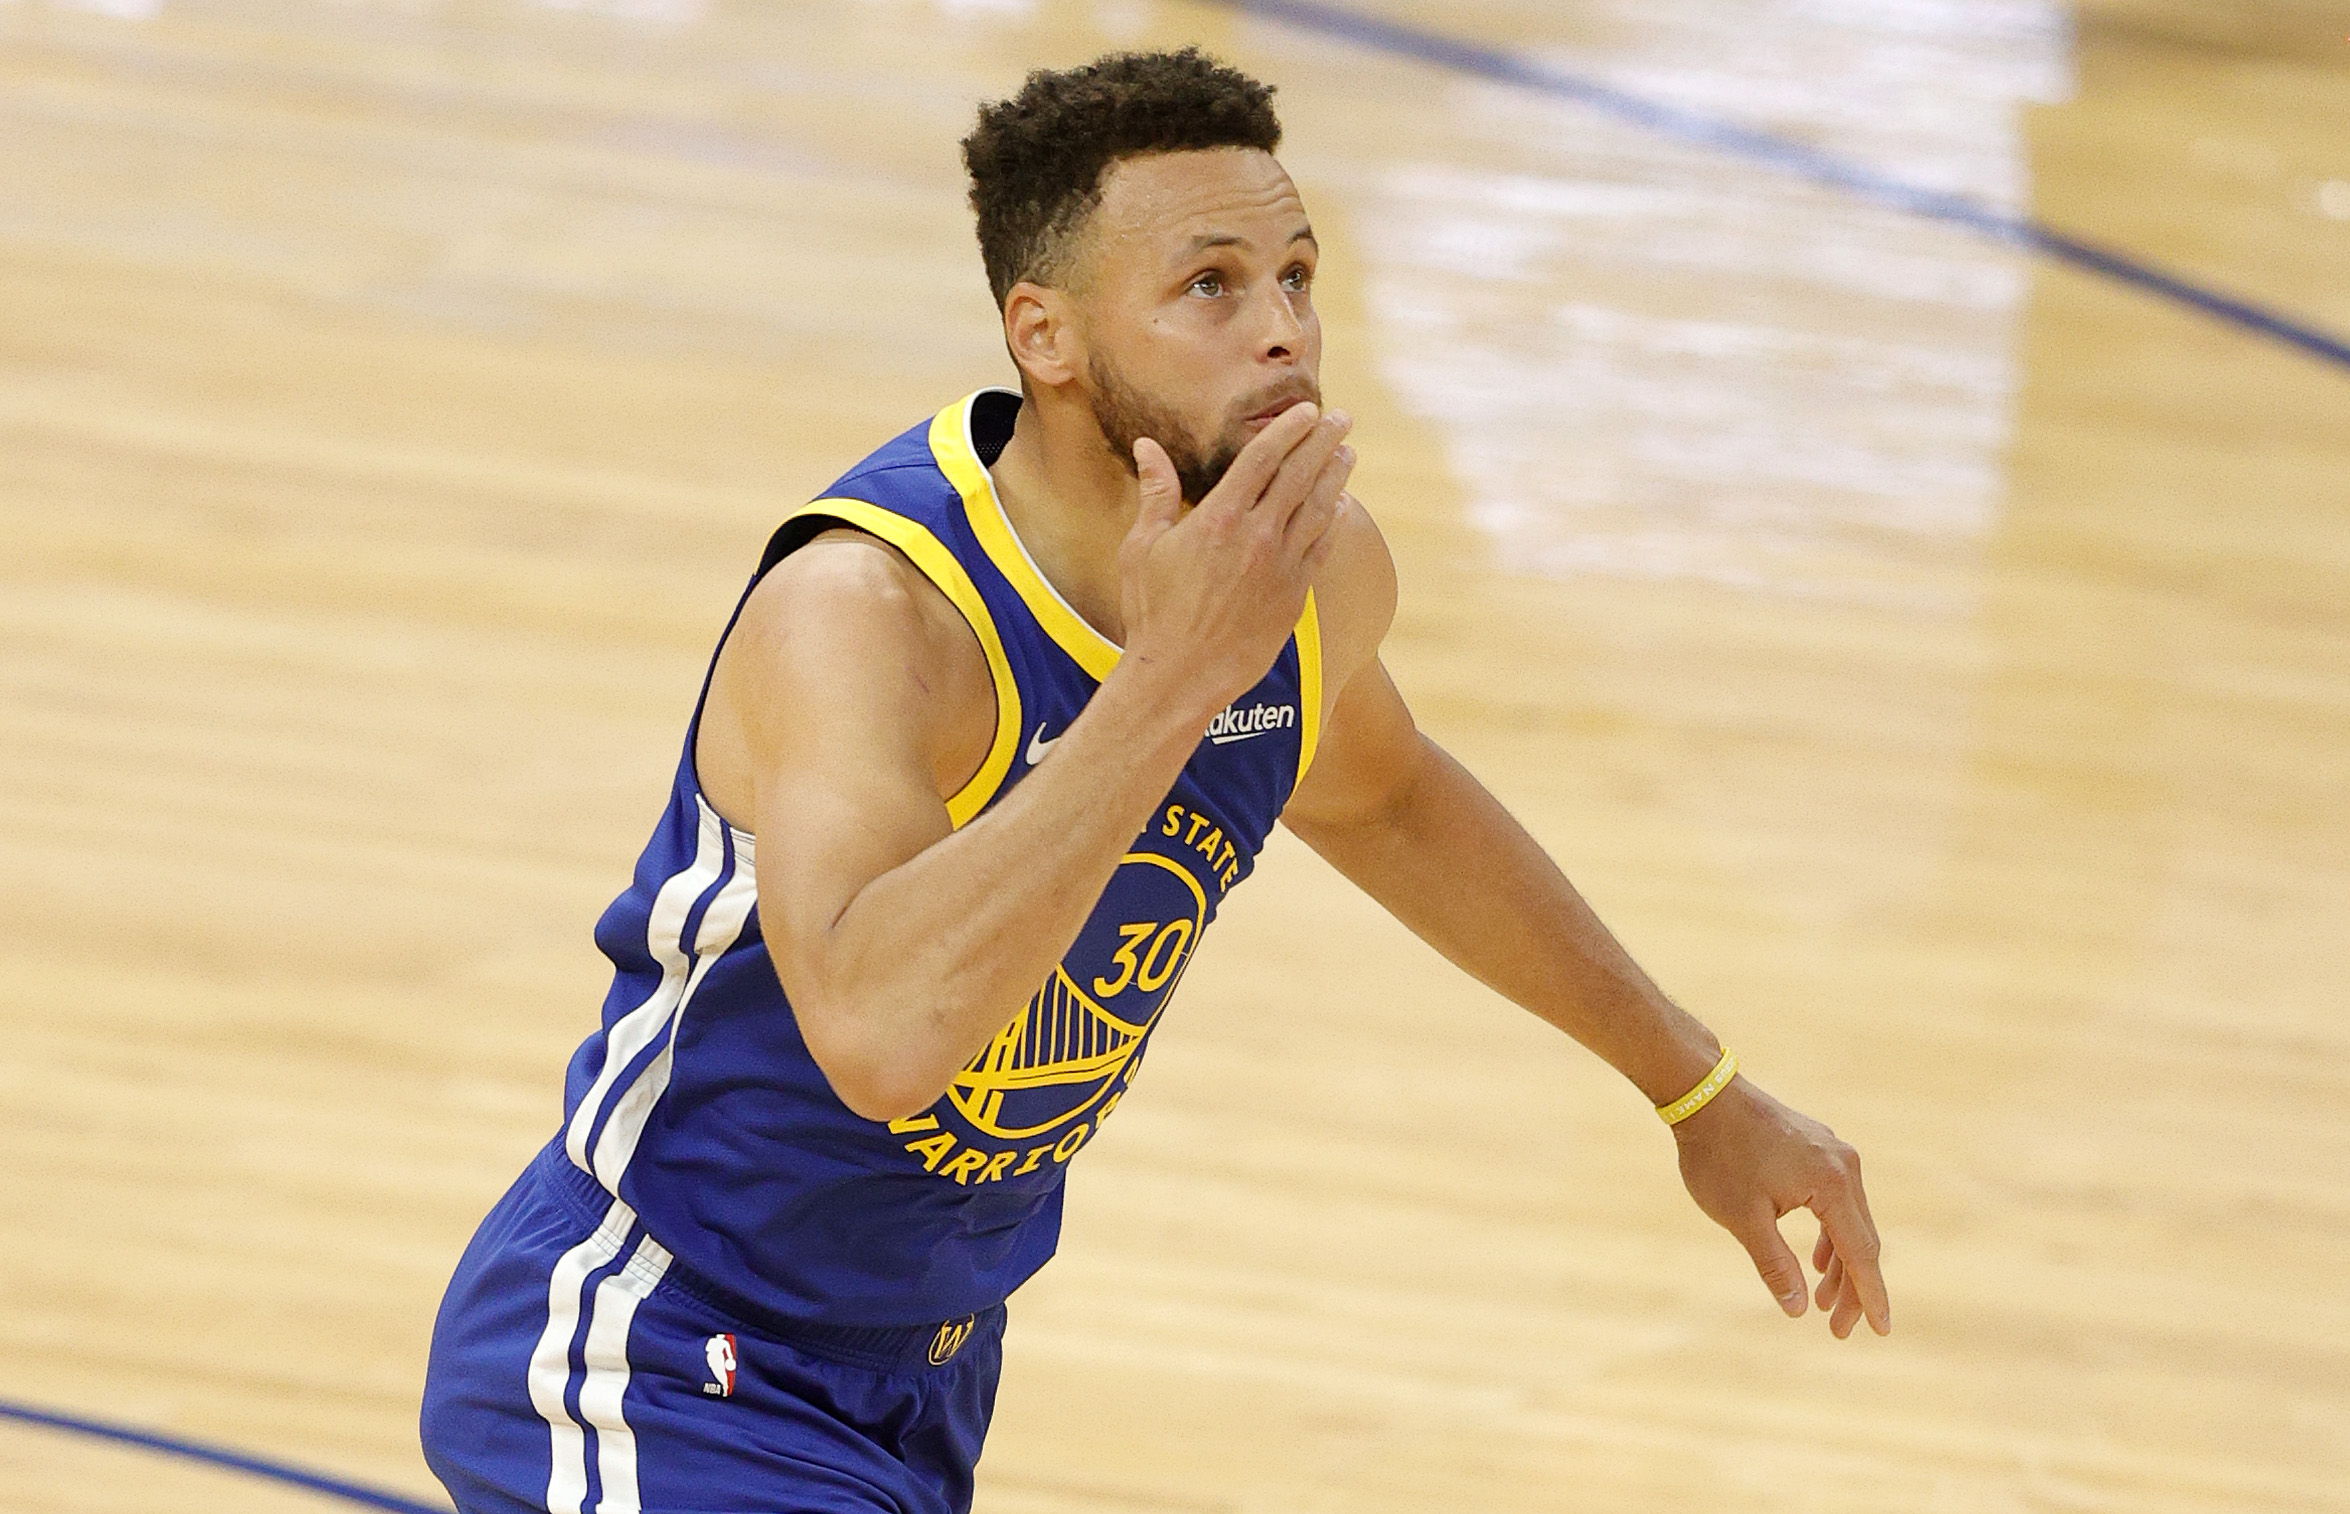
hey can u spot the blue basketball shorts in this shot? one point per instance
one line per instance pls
(578, 1369)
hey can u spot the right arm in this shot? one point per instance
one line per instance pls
(905, 945)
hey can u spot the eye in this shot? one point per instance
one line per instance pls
(1297, 278)
(1210, 284)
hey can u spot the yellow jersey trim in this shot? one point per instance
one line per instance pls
(958, 459)
(1309, 688)
(937, 564)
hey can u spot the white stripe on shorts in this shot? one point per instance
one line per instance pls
(607, 1374)
(550, 1362)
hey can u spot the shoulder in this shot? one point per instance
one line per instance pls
(844, 652)
(1354, 594)
(846, 583)
(847, 615)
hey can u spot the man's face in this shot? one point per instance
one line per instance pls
(1196, 293)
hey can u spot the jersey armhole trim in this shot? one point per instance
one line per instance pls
(929, 555)
(958, 459)
(1309, 688)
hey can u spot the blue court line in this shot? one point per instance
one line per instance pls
(1798, 160)
(219, 1456)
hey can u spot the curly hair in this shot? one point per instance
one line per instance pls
(1038, 159)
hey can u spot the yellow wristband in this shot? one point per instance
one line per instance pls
(1703, 1094)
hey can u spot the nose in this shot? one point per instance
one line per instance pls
(1282, 335)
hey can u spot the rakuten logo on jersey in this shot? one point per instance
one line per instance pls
(1233, 723)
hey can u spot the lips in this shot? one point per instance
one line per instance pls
(1270, 413)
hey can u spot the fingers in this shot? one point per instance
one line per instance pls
(1302, 469)
(1318, 552)
(1162, 492)
(1253, 471)
(1848, 1309)
(1845, 1224)
(1311, 523)
(1781, 1272)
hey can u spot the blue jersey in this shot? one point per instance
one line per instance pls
(697, 1103)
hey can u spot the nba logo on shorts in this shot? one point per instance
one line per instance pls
(720, 1351)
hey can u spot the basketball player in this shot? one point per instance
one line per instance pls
(1015, 704)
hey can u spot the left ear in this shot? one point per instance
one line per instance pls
(1041, 330)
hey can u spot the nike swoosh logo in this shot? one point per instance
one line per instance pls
(1037, 746)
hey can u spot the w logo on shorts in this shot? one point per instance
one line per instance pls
(719, 1349)
(949, 1340)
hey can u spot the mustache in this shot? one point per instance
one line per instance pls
(1298, 390)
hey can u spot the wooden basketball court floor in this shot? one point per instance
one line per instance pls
(1933, 659)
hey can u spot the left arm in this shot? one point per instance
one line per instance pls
(1413, 829)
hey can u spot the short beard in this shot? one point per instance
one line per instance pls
(1125, 416)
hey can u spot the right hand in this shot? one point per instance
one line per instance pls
(1210, 597)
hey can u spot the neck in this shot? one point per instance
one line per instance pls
(1071, 503)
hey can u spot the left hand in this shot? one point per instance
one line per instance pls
(1749, 1160)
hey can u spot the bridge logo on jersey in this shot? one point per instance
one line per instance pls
(1043, 1086)
(1062, 1054)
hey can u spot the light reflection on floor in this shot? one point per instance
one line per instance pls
(1650, 359)
(1643, 358)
